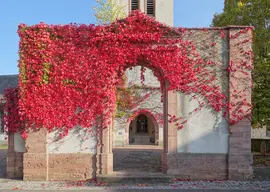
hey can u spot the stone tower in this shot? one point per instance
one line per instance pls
(162, 10)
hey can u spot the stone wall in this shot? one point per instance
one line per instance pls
(14, 160)
(196, 166)
(78, 140)
(240, 156)
(71, 166)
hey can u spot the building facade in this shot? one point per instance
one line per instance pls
(207, 147)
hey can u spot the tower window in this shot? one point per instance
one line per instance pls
(150, 8)
(134, 5)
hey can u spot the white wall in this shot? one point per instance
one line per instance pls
(260, 133)
(78, 140)
(205, 132)
(165, 11)
(19, 144)
(134, 77)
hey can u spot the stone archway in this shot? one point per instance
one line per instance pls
(104, 149)
(150, 133)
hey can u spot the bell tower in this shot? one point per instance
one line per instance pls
(161, 10)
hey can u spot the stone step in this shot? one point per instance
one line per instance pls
(135, 177)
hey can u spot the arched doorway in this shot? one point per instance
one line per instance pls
(107, 159)
(143, 130)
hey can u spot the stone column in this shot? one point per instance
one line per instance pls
(170, 131)
(14, 161)
(240, 157)
(35, 160)
(104, 151)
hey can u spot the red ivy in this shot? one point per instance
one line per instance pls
(12, 118)
(69, 73)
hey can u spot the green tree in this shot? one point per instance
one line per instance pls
(253, 13)
(108, 11)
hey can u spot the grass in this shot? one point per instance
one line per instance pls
(3, 146)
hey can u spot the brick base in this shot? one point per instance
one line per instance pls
(198, 166)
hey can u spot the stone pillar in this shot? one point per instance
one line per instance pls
(169, 131)
(104, 151)
(35, 160)
(14, 161)
(240, 157)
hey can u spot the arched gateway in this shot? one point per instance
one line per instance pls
(201, 138)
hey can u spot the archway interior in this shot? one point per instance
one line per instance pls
(136, 132)
(143, 131)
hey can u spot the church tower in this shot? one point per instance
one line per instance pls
(162, 10)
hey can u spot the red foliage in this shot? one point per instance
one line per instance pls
(69, 72)
(12, 118)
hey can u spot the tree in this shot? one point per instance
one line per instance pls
(253, 13)
(108, 11)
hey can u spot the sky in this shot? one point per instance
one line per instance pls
(187, 13)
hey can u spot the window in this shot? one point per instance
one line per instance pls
(134, 5)
(150, 8)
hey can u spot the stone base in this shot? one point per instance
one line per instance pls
(14, 165)
(59, 167)
(71, 166)
(196, 166)
(14, 162)
(79, 166)
(240, 167)
(35, 166)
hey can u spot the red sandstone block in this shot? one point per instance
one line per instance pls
(36, 148)
(35, 165)
(35, 177)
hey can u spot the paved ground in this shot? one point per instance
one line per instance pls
(144, 190)
(137, 158)
(176, 186)
(2, 163)
(261, 181)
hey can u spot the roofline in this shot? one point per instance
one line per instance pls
(9, 75)
(220, 28)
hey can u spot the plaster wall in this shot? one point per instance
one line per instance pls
(2, 138)
(205, 131)
(2, 134)
(78, 140)
(134, 77)
(19, 144)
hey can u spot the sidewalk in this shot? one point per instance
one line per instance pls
(6, 184)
